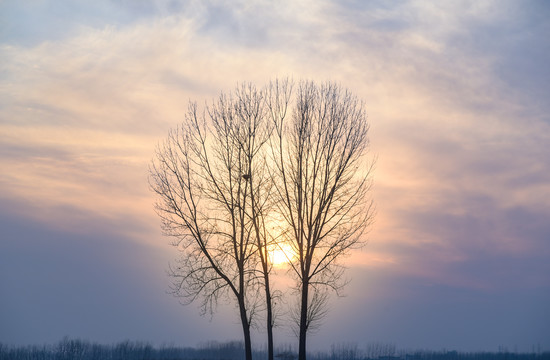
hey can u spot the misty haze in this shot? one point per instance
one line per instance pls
(274, 180)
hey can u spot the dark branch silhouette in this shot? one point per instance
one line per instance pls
(211, 178)
(257, 170)
(321, 179)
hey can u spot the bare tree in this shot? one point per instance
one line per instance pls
(321, 179)
(252, 130)
(211, 178)
(198, 175)
(220, 194)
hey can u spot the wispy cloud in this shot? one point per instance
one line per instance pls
(456, 95)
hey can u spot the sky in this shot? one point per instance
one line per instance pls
(457, 99)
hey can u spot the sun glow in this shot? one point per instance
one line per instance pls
(281, 254)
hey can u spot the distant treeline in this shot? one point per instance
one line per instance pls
(75, 349)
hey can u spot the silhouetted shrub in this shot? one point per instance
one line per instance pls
(76, 349)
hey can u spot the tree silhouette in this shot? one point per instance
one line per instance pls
(252, 129)
(321, 179)
(211, 180)
(256, 169)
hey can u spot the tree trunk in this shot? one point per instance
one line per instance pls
(303, 322)
(269, 318)
(264, 257)
(246, 330)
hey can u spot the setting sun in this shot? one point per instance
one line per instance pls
(281, 254)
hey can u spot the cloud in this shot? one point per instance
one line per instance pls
(456, 96)
(107, 94)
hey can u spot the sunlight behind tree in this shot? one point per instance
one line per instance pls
(281, 255)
